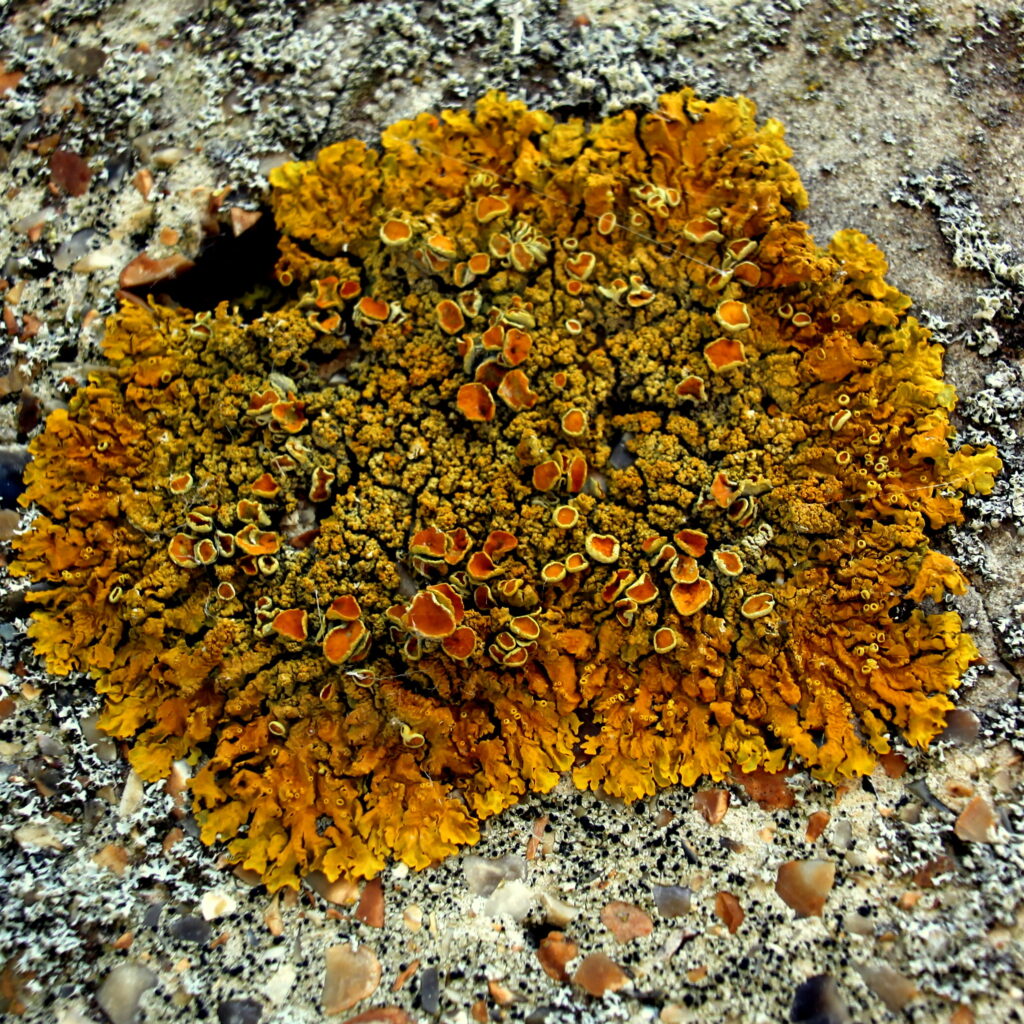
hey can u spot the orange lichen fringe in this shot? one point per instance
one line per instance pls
(374, 605)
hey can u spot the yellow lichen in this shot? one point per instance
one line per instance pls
(564, 449)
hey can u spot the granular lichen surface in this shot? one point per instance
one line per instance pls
(566, 450)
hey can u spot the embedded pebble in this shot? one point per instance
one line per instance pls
(483, 875)
(672, 900)
(239, 1011)
(805, 885)
(370, 909)
(514, 898)
(729, 911)
(598, 974)
(816, 825)
(712, 804)
(626, 921)
(977, 822)
(554, 952)
(889, 985)
(191, 929)
(217, 903)
(349, 976)
(817, 1001)
(556, 911)
(121, 991)
(430, 992)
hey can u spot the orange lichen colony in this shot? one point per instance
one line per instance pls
(568, 451)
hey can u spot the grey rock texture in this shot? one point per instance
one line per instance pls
(905, 120)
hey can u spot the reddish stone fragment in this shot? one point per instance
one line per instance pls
(769, 790)
(554, 952)
(729, 911)
(805, 884)
(712, 804)
(626, 921)
(145, 270)
(977, 822)
(816, 825)
(370, 909)
(598, 974)
(70, 172)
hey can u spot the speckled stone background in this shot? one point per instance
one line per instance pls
(906, 120)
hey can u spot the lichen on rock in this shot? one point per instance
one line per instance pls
(565, 450)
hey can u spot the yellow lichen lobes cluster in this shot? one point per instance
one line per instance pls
(567, 450)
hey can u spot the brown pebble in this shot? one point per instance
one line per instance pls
(695, 974)
(895, 765)
(909, 899)
(371, 904)
(500, 994)
(146, 270)
(404, 976)
(712, 804)
(729, 911)
(663, 817)
(769, 790)
(143, 182)
(977, 822)
(672, 900)
(805, 885)
(70, 172)
(341, 892)
(816, 824)
(554, 952)
(626, 921)
(478, 1011)
(962, 1014)
(598, 974)
(350, 975)
(962, 727)
(890, 986)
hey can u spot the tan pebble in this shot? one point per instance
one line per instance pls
(113, 857)
(100, 259)
(173, 837)
(805, 885)
(168, 156)
(554, 952)
(122, 989)
(729, 911)
(962, 1014)
(889, 985)
(500, 994)
(412, 917)
(766, 835)
(371, 904)
(672, 1013)
(478, 1011)
(977, 822)
(663, 817)
(695, 974)
(598, 974)
(216, 904)
(341, 892)
(146, 270)
(816, 824)
(350, 975)
(909, 899)
(626, 921)
(959, 789)
(143, 182)
(131, 796)
(273, 920)
(242, 220)
(712, 804)
(124, 940)
(556, 911)
(169, 236)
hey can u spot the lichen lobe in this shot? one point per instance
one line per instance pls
(567, 450)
